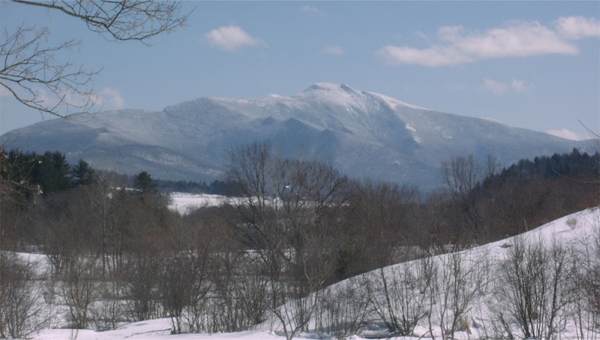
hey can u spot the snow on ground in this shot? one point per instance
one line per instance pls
(184, 203)
(574, 230)
(158, 329)
(571, 230)
(394, 103)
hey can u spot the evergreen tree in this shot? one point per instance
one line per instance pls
(52, 172)
(144, 182)
(83, 174)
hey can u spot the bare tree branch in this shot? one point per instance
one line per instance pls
(31, 70)
(121, 19)
(590, 131)
(30, 73)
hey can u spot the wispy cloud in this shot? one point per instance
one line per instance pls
(499, 87)
(108, 98)
(455, 45)
(333, 50)
(231, 38)
(312, 10)
(566, 134)
(578, 27)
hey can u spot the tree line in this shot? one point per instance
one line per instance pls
(51, 172)
(295, 228)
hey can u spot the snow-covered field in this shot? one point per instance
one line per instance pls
(184, 203)
(574, 230)
(158, 329)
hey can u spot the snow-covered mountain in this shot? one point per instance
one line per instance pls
(364, 134)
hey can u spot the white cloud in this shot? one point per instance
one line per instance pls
(519, 85)
(520, 40)
(108, 98)
(566, 134)
(231, 38)
(432, 57)
(457, 46)
(312, 10)
(578, 27)
(499, 87)
(333, 50)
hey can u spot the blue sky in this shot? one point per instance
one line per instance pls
(534, 65)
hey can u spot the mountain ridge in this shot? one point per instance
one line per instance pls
(363, 133)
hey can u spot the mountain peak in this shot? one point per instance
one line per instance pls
(326, 86)
(345, 95)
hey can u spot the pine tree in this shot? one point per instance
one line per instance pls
(83, 174)
(144, 182)
(52, 172)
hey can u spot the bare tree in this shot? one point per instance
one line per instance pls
(78, 289)
(122, 20)
(21, 308)
(533, 286)
(184, 277)
(457, 281)
(585, 289)
(240, 296)
(141, 283)
(344, 309)
(288, 218)
(585, 316)
(593, 280)
(383, 215)
(31, 71)
(110, 309)
(31, 74)
(399, 295)
(461, 175)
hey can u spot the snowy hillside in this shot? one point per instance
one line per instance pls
(573, 231)
(364, 134)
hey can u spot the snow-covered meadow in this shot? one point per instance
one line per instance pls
(184, 203)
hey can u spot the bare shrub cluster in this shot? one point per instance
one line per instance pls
(21, 306)
(342, 311)
(534, 288)
(399, 295)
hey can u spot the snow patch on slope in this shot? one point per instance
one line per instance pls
(394, 103)
(413, 132)
(336, 95)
